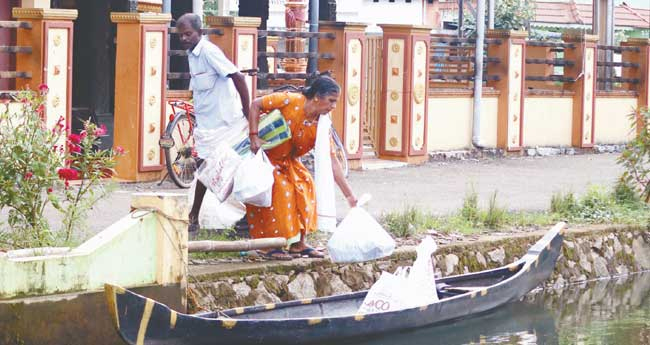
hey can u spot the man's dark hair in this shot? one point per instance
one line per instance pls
(194, 20)
(322, 86)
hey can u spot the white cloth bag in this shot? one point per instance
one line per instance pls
(324, 178)
(254, 180)
(217, 172)
(359, 237)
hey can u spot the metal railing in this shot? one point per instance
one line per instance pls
(452, 61)
(15, 49)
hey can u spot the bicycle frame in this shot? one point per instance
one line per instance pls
(166, 141)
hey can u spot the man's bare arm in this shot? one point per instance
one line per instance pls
(242, 88)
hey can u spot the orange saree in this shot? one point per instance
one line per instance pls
(294, 199)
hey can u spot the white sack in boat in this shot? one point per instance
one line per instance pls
(408, 287)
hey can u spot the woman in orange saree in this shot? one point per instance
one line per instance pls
(293, 212)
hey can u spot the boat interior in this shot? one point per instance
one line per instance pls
(348, 304)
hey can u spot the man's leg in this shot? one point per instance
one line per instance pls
(199, 193)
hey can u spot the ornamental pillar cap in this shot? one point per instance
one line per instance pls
(44, 13)
(343, 25)
(639, 42)
(500, 33)
(405, 28)
(140, 18)
(576, 35)
(251, 22)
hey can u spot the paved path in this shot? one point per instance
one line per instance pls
(522, 184)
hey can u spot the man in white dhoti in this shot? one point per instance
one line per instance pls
(215, 83)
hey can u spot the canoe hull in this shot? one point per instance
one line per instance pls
(143, 321)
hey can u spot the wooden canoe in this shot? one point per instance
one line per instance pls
(140, 320)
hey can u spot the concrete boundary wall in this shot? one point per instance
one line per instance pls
(146, 247)
(589, 253)
(450, 122)
(613, 125)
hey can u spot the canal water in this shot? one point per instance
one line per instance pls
(614, 311)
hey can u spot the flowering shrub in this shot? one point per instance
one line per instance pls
(635, 159)
(37, 166)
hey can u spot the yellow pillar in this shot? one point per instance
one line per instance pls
(511, 83)
(51, 59)
(238, 42)
(348, 68)
(584, 87)
(405, 70)
(140, 83)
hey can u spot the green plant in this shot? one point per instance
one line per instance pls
(495, 216)
(470, 210)
(36, 166)
(596, 206)
(408, 222)
(210, 7)
(563, 204)
(635, 159)
(508, 15)
(624, 194)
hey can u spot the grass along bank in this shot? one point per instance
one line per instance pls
(599, 205)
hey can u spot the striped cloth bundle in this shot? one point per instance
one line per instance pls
(272, 128)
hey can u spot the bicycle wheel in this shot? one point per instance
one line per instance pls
(340, 153)
(180, 156)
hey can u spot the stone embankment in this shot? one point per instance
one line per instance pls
(586, 254)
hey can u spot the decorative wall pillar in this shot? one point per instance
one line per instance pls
(405, 83)
(642, 57)
(511, 71)
(155, 6)
(584, 87)
(348, 68)
(140, 83)
(238, 42)
(51, 59)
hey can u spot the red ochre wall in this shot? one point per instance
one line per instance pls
(7, 37)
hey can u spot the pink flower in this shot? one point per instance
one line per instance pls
(74, 138)
(73, 148)
(49, 190)
(68, 174)
(101, 130)
(119, 150)
(83, 135)
(40, 109)
(28, 175)
(43, 89)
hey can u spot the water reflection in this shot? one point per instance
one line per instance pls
(615, 312)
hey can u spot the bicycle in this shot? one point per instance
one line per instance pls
(178, 143)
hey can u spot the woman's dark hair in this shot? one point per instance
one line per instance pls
(322, 86)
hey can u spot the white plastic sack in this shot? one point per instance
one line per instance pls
(386, 294)
(215, 214)
(218, 171)
(421, 275)
(254, 180)
(359, 237)
(409, 287)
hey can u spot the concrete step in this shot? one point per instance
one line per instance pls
(376, 163)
